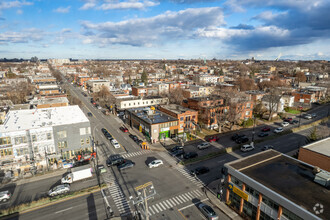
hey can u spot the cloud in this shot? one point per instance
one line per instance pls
(62, 9)
(13, 4)
(24, 36)
(128, 5)
(19, 12)
(118, 5)
(155, 30)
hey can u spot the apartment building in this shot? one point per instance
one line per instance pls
(48, 89)
(187, 118)
(49, 102)
(96, 85)
(153, 124)
(32, 136)
(271, 185)
(203, 79)
(83, 79)
(144, 91)
(135, 102)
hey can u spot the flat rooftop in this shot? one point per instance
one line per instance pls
(156, 117)
(54, 100)
(286, 176)
(177, 109)
(321, 147)
(17, 120)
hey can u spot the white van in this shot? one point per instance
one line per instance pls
(247, 147)
(115, 143)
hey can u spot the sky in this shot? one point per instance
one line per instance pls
(165, 29)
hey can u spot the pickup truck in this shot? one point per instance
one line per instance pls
(77, 173)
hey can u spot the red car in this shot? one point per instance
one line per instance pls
(123, 129)
(265, 129)
(212, 139)
(288, 119)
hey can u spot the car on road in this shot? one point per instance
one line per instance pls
(133, 137)
(294, 122)
(247, 147)
(265, 129)
(212, 139)
(58, 190)
(126, 164)
(237, 136)
(288, 120)
(115, 143)
(242, 140)
(114, 160)
(267, 147)
(314, 115)
(178, 153)
(278, 130)
(308, 116)
(101, 168)
(190, 155)
(109, 136)
(178, 147)
(285, 124)
(5, 196)
(123, 129)
(203, 146)
(104, 130)
(155, 163)
(208, 212)
(199, 171)
(263, 134)
(89, 114)
(99, 107)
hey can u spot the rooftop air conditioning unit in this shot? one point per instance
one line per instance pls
(323, 178)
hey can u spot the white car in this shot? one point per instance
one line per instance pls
(285, 124)
(58, 190)
(247, 147)
(278, 130)
(203, 145)
(115, 143)
(308, 116)
(5, 196)
(155, 163)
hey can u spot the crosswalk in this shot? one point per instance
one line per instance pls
(181, 169)
(174, 202)
(137, 153)
(117, 195)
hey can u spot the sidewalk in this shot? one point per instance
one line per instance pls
(31, 179)
(216, 202)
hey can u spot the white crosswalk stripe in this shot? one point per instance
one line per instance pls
(159, 207)
(135, 154)
(162, 205)
(155, 208)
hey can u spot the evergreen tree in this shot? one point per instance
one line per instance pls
(144, 77)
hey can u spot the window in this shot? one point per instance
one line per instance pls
(61, 134)
(82, 131)
(270, 203)
(62, 144)
(82, 142)
(22, 151)
(152, 102)
(88, 130)
(125, 105)
(34, 138)
(87, 140)
(6, 152)
(181, 119)
(129, 104)
(36, 149)
(248, 105)
(49, 136)
(247, 113)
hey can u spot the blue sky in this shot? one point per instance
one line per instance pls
(186, 29)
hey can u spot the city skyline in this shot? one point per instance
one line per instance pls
(186, 29)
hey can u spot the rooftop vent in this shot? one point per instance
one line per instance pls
(323, 178)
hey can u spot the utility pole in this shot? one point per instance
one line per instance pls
(144, 192)
(254, 124)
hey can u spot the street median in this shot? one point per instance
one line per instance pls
(315, 123)
(46, 201)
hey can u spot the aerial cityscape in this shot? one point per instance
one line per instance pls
(164, 110)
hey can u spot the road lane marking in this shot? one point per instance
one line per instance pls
(167, 207)
(188, 196)
(154, 207)
(176, 201)
(162, 205)
(168, 202)
(179, 199)
(195, 203)
(185, 197)
(159, 207)
(63, 210)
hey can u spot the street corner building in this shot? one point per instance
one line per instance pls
(40, 137)
(271, 185)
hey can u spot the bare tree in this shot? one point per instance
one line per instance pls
(300, 77)
(273, 99)
(245, 84)
(175, 96)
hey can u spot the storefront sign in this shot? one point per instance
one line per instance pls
(241, 193)
(164, 129)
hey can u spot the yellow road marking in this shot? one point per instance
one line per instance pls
(182, 215)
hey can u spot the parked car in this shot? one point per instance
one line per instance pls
(199, 171)
(126, 164)
(294, 122)
(265, 129)
(5, 196)
(114, 160)
(288, 119)
(58, 190)
(285, 124)
(263, 134)
(203, 145)
(176, 148)
(237, 136)
(242, 140)
(278, 130)
(155, 163)
(89, 114)
(190, 155)
(123, 129)
(178, 153)
(208, 212)
(308, 116)
(133, 137)
(247, 147)
(115, 143)
(314, 115)
(267, 147)
(104, 130)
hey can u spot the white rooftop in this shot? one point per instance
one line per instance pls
(46, 117)
(321, 147)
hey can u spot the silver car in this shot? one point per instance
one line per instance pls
(58, 190)
(203, 146)
(5, 196)
(208, 212)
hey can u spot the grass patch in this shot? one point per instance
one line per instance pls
(45, 200)
(292, 111)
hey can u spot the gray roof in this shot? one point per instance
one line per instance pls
(156, 117)
(321, 147)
